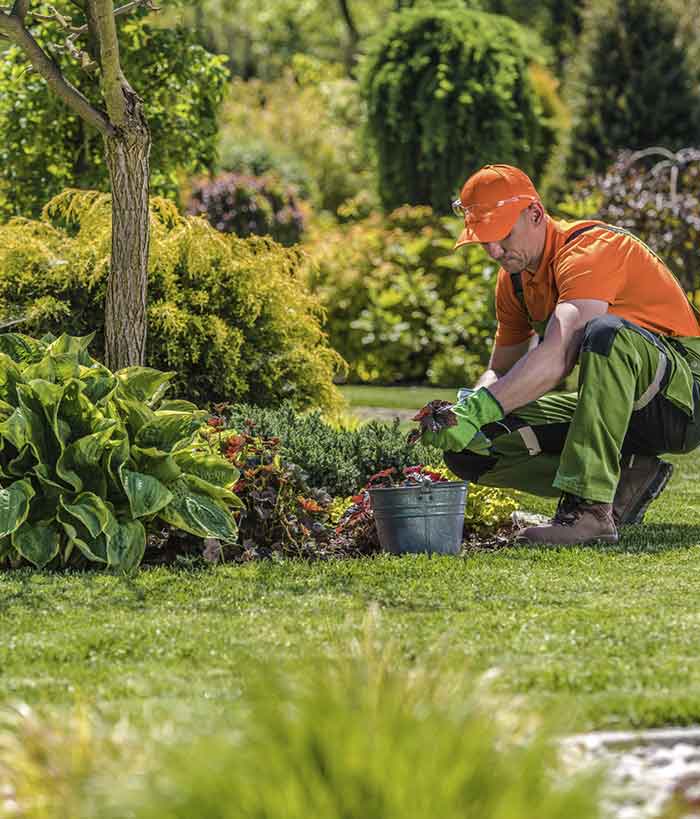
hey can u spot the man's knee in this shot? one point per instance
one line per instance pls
(468, 465)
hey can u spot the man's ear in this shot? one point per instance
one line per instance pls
(536, 213)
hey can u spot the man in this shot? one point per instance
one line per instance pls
(574, 292)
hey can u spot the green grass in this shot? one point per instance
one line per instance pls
(609, 633)
(395, 397)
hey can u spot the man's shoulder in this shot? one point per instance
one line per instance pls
(580, 242)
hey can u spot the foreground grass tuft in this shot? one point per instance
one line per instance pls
(357, 737)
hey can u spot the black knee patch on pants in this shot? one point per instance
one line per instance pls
(600, 333)
(468, 465)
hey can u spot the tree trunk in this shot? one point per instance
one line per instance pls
(125, 309)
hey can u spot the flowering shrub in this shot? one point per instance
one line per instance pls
(249, 205)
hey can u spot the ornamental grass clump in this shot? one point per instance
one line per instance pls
(89, 459)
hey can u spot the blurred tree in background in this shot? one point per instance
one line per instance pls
(305, 127)
(631, 86)
(448, 90)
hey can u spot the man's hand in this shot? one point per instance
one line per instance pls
(473, 413)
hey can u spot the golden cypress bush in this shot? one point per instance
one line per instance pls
(233, 317)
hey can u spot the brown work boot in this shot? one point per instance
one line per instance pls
(576, 521)
(642, 478)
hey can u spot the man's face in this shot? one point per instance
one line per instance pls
(519, 248)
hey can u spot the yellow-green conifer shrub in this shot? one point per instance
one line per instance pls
(233, 317)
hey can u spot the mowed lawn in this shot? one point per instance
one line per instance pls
(611, 634)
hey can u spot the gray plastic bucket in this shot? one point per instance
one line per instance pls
(428, 517)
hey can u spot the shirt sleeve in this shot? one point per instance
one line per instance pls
(593, 268)
(513, 325)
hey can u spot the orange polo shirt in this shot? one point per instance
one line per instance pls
(598, 264)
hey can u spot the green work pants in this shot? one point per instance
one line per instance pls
(575, 442)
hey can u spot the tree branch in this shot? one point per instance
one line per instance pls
(349, 22)
(20, 8)
(113, 80)
(11, 26)
(77, 30)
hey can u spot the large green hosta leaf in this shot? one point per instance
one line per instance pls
(99, 383)
(152, 461)
(14, 506)
(146, 494)
(80, 463)
(39, 432)
(23, 463)
(221, 493)
(72, 346)
(22, 349)
(143, 384)
(10, 376)
(198, 513)
(169, 430)
(93, 546)
(79, 415)
(136, 414)
(177, 406)
(126, 545)
(91, 511)
(211, 468)
(37, 542)
(53, 368)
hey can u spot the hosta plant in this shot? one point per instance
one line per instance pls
(90, 458)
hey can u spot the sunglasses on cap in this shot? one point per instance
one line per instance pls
(480, 212)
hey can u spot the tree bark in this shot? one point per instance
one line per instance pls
(125, 310)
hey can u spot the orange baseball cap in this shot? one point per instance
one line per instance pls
(491, 200)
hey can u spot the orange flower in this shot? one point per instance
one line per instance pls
(309, 504)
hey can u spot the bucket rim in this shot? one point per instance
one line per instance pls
(429, 484)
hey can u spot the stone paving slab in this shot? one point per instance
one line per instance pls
(646, 771)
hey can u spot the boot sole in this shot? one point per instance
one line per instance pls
(519, 541)
(655, 488)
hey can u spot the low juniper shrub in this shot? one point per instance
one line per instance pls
(338, 460)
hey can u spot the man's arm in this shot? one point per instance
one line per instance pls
(543, 367)
(502, 359)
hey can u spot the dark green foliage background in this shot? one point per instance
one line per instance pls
(45, 146)
(630, 87)
(401, 305)
(447, 91)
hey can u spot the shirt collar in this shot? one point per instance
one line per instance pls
(548, 252)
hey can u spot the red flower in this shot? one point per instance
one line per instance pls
(215, 422)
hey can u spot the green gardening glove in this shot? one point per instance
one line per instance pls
(478, 409)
